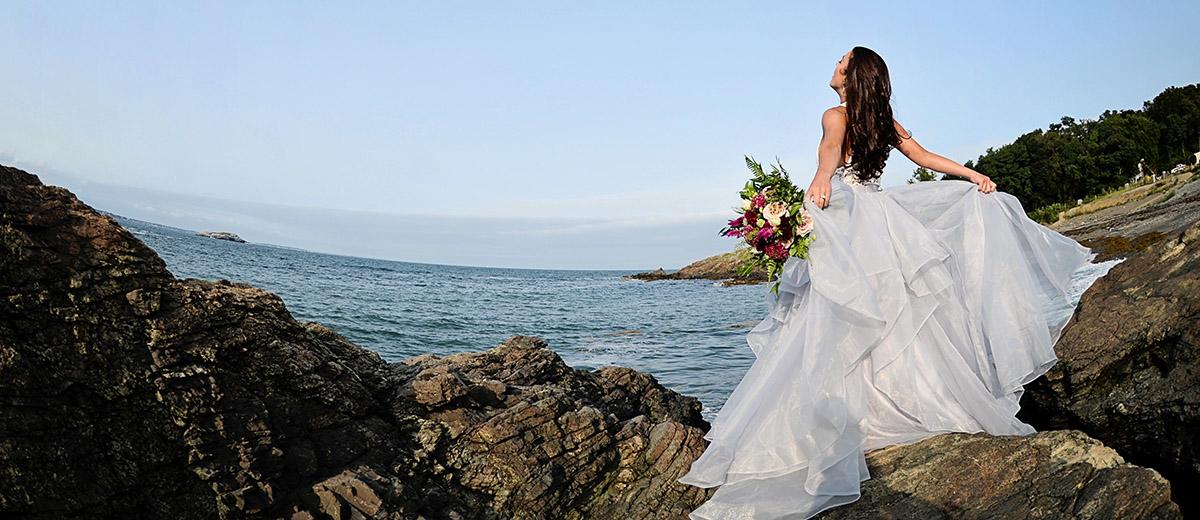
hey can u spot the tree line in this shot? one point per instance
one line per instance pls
(1074, 159)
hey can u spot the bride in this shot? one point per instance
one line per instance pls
(921, 309)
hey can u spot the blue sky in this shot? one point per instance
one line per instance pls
(527, 134)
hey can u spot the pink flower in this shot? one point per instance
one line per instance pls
(765, 232)
(737, 222)
(806, 223)
(759, 201)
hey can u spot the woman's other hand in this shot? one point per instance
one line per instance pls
(819, 191)
(984, 182)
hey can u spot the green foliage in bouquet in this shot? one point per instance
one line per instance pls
(773, 222)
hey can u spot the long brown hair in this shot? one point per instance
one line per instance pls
(869, 111)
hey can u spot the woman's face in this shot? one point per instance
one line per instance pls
(839, 72)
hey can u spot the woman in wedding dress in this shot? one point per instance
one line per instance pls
(921, 309)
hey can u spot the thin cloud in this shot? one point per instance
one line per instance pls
(623, 243)
(624, 224)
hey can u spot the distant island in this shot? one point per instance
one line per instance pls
(222, 235)
(717, 267)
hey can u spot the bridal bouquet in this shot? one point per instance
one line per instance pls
(772, 221)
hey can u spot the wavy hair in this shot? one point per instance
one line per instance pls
(868, 108)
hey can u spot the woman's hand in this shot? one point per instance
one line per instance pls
(819, 191)
(985, 183)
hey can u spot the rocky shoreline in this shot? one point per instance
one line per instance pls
(1129, 361)
(721, 267)
(128, 392)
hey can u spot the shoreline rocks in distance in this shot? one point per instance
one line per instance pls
(1130, 221)
(222, 235)
(721, 267)
(129, 392)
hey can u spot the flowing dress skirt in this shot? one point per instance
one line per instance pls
(921, 309)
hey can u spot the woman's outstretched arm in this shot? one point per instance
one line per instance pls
(927, 159)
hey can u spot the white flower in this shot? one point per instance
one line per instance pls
(806, 223)
(774, 211)
(746, 203)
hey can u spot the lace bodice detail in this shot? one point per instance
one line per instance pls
(851, 176)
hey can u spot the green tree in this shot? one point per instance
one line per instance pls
(1118, 141)
(1176, 111)
(923, 174)
(1076, 158)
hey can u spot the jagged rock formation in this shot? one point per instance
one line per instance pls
(126, 392)
(717, 267)
(1129, 369)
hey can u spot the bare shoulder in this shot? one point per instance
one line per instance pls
(834, 116)
(900, 130)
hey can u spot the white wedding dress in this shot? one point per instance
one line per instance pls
(921, 309)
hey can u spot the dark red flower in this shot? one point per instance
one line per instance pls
(776, 251)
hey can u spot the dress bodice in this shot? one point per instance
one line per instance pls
(850, 175)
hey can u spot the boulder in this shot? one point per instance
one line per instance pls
(1053, 474)
(1129, 363)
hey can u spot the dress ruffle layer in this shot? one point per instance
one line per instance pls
(922, 309)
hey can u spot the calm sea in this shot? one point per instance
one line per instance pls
(689, 334)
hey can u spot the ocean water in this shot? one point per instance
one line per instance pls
(689, 334)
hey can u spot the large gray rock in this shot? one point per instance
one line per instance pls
(1048, 475)
(1129, 363)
